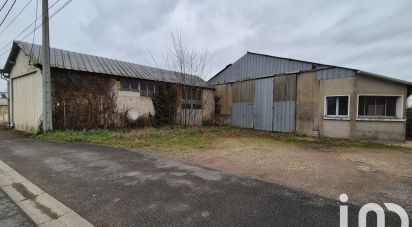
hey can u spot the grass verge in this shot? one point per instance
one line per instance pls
(187, 139)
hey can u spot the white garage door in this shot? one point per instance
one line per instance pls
(27, 102)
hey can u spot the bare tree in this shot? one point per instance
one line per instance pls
(190, 66)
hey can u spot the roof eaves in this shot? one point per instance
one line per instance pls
(385, 77)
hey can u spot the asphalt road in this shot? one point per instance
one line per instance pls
(117, 187)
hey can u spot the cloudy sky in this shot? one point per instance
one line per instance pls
(370, 35)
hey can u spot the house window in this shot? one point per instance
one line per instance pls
(150, 89)
(129, 85)
(192, 98)
(147, 89)
(377, 106)
(192, 93)
(337, 106)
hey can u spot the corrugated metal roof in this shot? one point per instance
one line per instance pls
(255, 66)
(334, 73)
(64, 59)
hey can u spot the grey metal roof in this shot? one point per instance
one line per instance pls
(255, 65)
(64, 59)
(334, 73)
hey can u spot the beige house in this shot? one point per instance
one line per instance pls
(3, 109)
(133, 85)
(287, 95)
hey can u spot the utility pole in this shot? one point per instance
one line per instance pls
(46, 71)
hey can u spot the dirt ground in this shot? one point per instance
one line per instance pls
(365, 174)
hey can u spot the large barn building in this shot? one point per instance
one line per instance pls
(279, 94)
(133, 85)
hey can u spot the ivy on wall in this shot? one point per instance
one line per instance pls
(164, 102)
(85, 101)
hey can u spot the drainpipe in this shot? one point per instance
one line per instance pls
(6, 78)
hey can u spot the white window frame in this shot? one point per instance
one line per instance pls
(335, 117)
(400, 109)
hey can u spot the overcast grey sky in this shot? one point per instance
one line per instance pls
(370, 35)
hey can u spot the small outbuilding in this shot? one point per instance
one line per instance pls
(3, 109)
(86, 89)
(280, 94)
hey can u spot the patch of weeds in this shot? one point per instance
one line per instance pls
(178, 139)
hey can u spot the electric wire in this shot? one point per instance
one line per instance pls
(24, 30)
(21, 11)
(4, 4)
(8, 12)
(35, 25)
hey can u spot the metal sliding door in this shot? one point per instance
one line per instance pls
(284, 103)
(264, 104)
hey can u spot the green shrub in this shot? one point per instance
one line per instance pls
(164, 102)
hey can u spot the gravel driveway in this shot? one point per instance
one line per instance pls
(366, 174)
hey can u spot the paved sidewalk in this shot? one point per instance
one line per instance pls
(117, 187)
(11, 215)
(40, 207)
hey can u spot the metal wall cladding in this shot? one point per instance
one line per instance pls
(284, 117)
(273, 107)
(334, 73)
(243, 114)
(284, 105)
(253, 66)
(284, 88)
(244, 91)
(264, 104)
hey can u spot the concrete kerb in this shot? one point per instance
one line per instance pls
(42, 208)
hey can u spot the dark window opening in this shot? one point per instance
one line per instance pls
(186, 106)
(197, 106)
(337, 106)
(377, 106)
(192, 98)
(143, 89)
(150, 89)
(129, 85)
(147, 89)
(192, 93)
